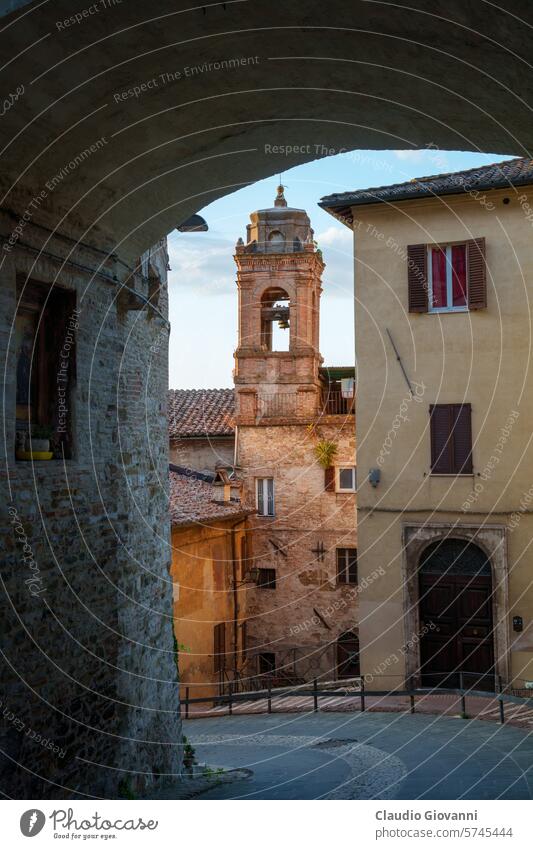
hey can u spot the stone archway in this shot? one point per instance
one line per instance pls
(491, 539)
(135, 118)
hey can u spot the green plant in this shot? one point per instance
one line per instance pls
(189, 753)
(124, 789)
(41, 431)
(325, 451)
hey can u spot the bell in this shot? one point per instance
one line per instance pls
(283, 324)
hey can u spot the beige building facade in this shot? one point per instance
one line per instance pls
(443, 268)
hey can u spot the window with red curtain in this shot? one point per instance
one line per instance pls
(459, 275)
(447, 269)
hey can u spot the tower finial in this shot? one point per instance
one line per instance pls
(280, 197)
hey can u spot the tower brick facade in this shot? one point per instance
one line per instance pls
(302, 611)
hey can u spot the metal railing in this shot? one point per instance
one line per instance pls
(279, 405)
(334, 403)
(358, 690)
(290, 405)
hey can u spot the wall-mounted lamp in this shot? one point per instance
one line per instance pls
(374, 477)
(251, 577)
(518, 623)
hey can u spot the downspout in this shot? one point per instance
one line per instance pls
(235, 595)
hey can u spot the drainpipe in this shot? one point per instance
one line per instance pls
(235, 594)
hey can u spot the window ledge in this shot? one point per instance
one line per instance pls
(448, 310)
(450, 474)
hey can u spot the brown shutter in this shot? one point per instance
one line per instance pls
(329, 479)
(417, 277)
(462, 439)
(441, 442)
(477, 274)
(451, 439)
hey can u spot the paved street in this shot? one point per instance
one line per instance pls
(369, 755)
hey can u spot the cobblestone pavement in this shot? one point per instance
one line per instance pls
(365, 755)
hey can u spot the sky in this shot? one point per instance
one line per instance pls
(202, 287)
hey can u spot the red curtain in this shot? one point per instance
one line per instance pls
(438, 277)
(459, 275)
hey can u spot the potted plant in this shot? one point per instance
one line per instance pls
(325, 451)
(40, 439)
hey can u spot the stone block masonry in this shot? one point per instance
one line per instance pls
(89, 680)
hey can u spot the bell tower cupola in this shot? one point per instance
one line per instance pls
(279, 271)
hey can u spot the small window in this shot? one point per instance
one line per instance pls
(451, 439)
(265, 496)
(46, 326)
(447, 278)
(346, 480)
(266, 662)
(347, 565)
(267, 579)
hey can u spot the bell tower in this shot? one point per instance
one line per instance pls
(279, 272)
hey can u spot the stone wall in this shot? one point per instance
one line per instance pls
(202, 454)
(90, 695)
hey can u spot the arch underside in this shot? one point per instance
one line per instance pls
(230, 94)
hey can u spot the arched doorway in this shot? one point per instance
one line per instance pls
(348, 655)
(455, 606)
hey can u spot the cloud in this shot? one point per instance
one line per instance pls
(202, 262)
(337, 237)
(435, 160)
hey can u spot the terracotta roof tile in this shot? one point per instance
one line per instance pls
(192, 501)
(200, 412)
(498, 175)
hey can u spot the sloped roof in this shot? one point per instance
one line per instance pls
(200, 412)
(498, 175)
(192, 501)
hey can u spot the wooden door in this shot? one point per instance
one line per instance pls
(459, 607)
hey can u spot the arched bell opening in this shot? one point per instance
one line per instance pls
(275, 320)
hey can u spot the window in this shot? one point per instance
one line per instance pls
(45, 362)
(346, 480)
(348, 655)
(219, 647)
(267, 579)
(346, 565)
(451, 439)
(266, 662)
(265, 496)
(447, 277)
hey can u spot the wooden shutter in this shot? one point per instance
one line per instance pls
(341, 566)
(260, 497)
(270, 496)
(417, 277)
(329, 479)
(451, 439)
(476, 274)
(219, 640)
(462, 439)
(441, 441)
